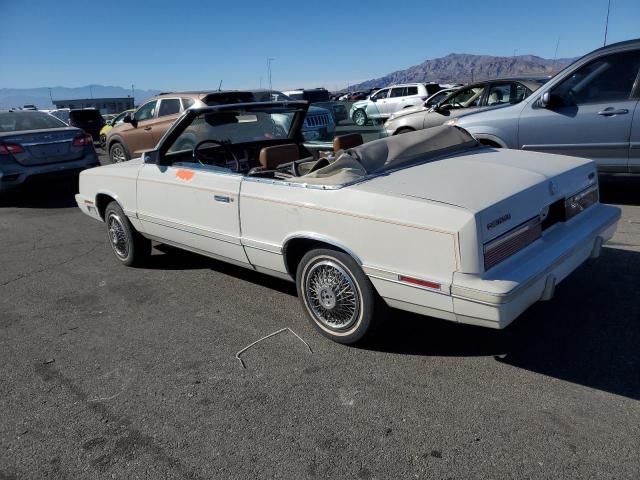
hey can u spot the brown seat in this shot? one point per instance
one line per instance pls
(344, 142)
(271, 157)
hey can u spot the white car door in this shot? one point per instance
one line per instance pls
(192, 205)
(397, 100)
(378, 104)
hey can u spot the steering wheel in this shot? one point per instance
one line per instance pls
(224, 146)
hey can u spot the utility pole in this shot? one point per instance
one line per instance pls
(606, 25)
(132, 94)
(269, 60)
(50, 96)
(555, 54)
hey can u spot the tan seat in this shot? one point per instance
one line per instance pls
(272, 157)
(345, 142)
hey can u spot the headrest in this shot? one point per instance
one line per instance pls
(271, 157)
(344, 142)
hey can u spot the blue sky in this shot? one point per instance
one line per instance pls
(190, 44)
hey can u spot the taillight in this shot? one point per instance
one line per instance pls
(575, 204)
(10, 148)
(511, 242)
(83, 140)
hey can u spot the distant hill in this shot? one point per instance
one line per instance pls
(460, 67)
(17, 97)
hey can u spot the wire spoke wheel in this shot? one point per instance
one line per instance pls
(118, 236)
(332, 295)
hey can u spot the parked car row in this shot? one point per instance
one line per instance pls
(141, 129)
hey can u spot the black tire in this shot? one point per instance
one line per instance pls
(103, 141)
(360, 117)
(402, 130)
(117, 153)
(346, 317)
(129, 247)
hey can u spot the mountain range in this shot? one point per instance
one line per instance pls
(454, 68)
(41, 97)
(465, 68)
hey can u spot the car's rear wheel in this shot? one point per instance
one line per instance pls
(117, 153)
(360, 118)
(338, 297)
(404, 130)
(129, 247)
(103, 141)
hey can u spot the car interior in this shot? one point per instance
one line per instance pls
(350, 159)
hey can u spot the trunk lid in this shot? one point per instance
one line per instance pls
(45, 146)
(503, 188)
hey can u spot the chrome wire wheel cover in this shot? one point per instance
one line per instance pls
(117, 154)
(331, 294)
(117, 236)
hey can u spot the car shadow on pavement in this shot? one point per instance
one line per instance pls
(171, 258)
(623, 190)
(43, 193)
(588, 334)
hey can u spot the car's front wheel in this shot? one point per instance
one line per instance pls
(117, 153)
(103, 141)
(338, 297)
(129, 247)
(360, 117)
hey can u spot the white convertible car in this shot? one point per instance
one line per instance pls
(430, 222)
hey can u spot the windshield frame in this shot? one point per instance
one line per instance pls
(159, 154)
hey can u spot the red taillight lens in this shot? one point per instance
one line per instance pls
(10, 148)
(83, 140)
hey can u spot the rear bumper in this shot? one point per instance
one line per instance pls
(500, 296)
(14, 174)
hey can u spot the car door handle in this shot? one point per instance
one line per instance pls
(147, 129)
(222, 198)
(607, 112)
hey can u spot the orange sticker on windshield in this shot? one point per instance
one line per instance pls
(185, 175)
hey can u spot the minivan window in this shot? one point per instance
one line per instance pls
(607, 79)
(146, 111)
(169, 106)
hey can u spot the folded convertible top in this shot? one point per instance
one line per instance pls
(392, 152)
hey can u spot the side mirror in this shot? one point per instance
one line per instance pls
(151, 156)
(127, 118)
(549, 100)
(373, 99)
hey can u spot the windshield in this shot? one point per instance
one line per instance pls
(236, 126)
(19, 121)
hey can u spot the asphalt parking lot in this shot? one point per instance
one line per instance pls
(114, 372)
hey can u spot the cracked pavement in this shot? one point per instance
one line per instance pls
(113, 372)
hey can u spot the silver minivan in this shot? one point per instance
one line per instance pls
(590, 109)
